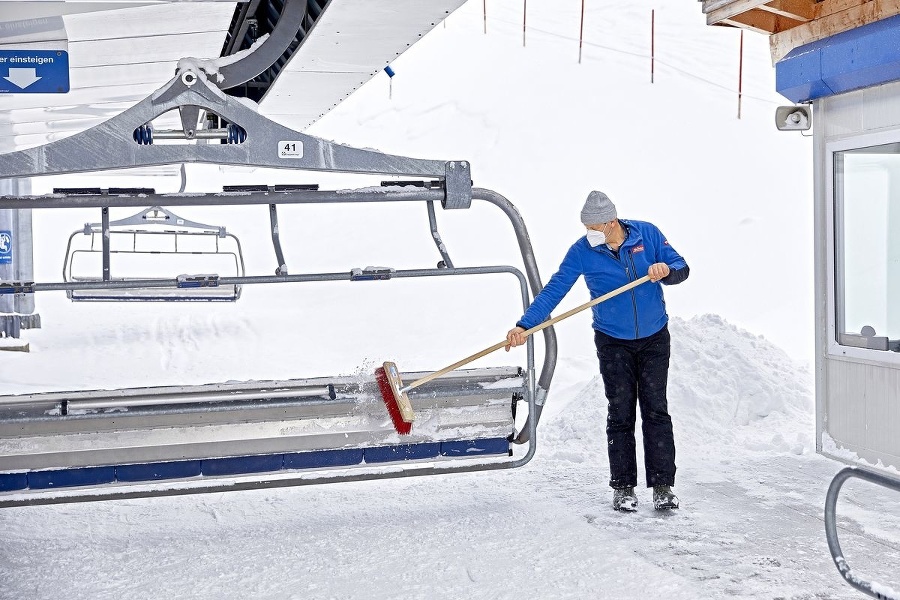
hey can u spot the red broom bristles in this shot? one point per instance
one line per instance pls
(390, 400)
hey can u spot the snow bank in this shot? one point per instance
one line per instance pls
(726, 386)
(724, 375)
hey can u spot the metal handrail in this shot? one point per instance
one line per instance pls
(874, 590)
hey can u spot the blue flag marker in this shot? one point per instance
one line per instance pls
(390, 73)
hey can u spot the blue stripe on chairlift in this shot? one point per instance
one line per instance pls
(13, 481)
(324, 458)
(475, 447)
(71, 477)
(381, 454)
(159, 470)
(237, 465)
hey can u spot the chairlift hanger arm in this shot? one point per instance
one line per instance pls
(111, 145)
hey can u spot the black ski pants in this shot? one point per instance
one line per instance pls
(635, 372)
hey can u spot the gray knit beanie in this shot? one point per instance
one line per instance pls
(598, 208)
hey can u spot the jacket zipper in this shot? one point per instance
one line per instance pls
(632, 277)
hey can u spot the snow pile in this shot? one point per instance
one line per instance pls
(726, 386)
(723, 375)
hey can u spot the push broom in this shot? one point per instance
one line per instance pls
(394, 393)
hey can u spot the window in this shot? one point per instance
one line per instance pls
(867, 247)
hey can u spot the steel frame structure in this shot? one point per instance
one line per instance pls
(122, 142)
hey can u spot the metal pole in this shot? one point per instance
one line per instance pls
(8, 254)
(524, 13)
(652, 42)
(581, 33)
(740, 72)
(484, 7)
(16, 249)
(104, 213)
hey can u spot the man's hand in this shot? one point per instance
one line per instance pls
(658, 271)
(515, 338)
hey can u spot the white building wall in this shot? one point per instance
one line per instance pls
(857, 390)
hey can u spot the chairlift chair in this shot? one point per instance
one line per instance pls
(90, 445)
(151, 240)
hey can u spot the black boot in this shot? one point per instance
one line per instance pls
(624, 499)
(663, 498)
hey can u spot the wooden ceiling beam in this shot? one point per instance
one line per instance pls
(720, 11)
(829, 7)
(797, 10)
(711, 5)
(762, 21)
(732, 22)
(837, 16)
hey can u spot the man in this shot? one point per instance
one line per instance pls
(632, 338)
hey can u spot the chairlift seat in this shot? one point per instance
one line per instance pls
(177, 435)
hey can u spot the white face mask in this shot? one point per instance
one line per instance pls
(595, 238)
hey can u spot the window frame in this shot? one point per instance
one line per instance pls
(834, 241)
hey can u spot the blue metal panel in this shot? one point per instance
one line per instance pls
(13, 481)
(71, 477)
(325, 458)
(851, 60)
(475, 447)
(859, 62)
(798, 77)
(161, 470)
(242, 464)
(402, 452)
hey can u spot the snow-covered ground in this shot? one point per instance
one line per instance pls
(733, 196)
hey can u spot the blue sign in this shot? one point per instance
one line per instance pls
(5, 247)
(34, 72)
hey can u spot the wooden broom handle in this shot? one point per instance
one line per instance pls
(528, 332)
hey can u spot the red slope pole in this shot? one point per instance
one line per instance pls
(524, 12)
(581, 32)
(652, 42)
(740, 73)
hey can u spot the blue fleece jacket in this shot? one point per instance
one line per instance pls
(634, 314)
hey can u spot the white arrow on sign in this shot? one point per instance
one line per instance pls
(22, 77)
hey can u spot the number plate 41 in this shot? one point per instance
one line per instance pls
(290, 149)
